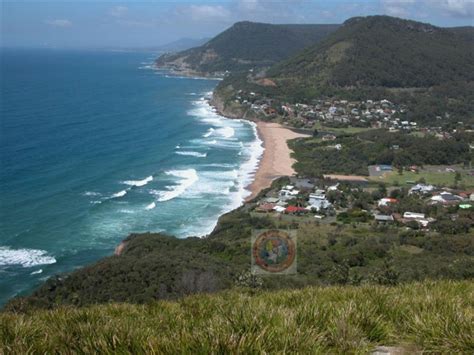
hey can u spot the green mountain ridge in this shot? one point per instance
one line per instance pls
(429, 69)
(382, 51)
(247, 45)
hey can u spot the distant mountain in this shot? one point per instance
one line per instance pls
(247, 45)
(382, 51)
(182, 44)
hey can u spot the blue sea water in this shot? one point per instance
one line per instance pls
(96, 145)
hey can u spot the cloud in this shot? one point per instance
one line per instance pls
(58, 23)
(399, 8)
(247, 5)
(457, 8)
(118, 11)
(208, 12)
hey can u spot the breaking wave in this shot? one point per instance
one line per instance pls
(24, 257)
(139, 183)
(193, 154)
(186, 178)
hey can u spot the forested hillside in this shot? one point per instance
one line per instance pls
(428, 68)
(247, 45)
(383, 51)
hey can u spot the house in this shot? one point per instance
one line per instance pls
(265, 207)
(446, 198)
(318, 202)
(279, 209)
(386, 201)
(421, 189)
(303, 184)
(287, 193)
(295, 210)
(271, 200)
(383, 167)
(413, 215)
(382, 218)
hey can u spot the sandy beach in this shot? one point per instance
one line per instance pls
(276, 160)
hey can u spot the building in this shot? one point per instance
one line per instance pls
(303, 184)
(446, 198)
(386, 201)
(265, 207)
(421, 189)
(413, 215)
(295, 209)
(382, 218)
(318, 202)
(287, 193)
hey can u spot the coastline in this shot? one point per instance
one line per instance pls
(276, 160)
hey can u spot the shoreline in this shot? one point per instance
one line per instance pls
(276, 160)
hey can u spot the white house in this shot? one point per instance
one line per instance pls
(413, 215)
(287, 193)
(421, 188)
(318, 202)
(446, 197)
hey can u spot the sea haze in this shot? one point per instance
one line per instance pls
(96, 145)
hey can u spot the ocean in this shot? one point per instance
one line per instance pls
(95, 145)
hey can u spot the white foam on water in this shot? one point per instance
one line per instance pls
(228, 186)
(186, 178)
(226, 132)
(192, 154)
(138, 183)
(208, 133)
(123, 210)
(24, 257)
(37, 272)
(119, 194)
(253, 153)
(150, 206)
(218, 165)
(91, 193)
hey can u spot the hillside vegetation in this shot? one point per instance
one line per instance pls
(436, 317)
(383, 51)
(154, 266)
(247, 45)
(429, 69)
(376, 147)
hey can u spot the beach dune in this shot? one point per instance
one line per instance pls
(276, 160)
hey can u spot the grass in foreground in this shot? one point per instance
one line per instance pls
(429, 316)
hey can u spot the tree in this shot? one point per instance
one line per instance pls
(387, 275)
(457, 178)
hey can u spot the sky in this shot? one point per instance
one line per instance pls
(126, 24)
